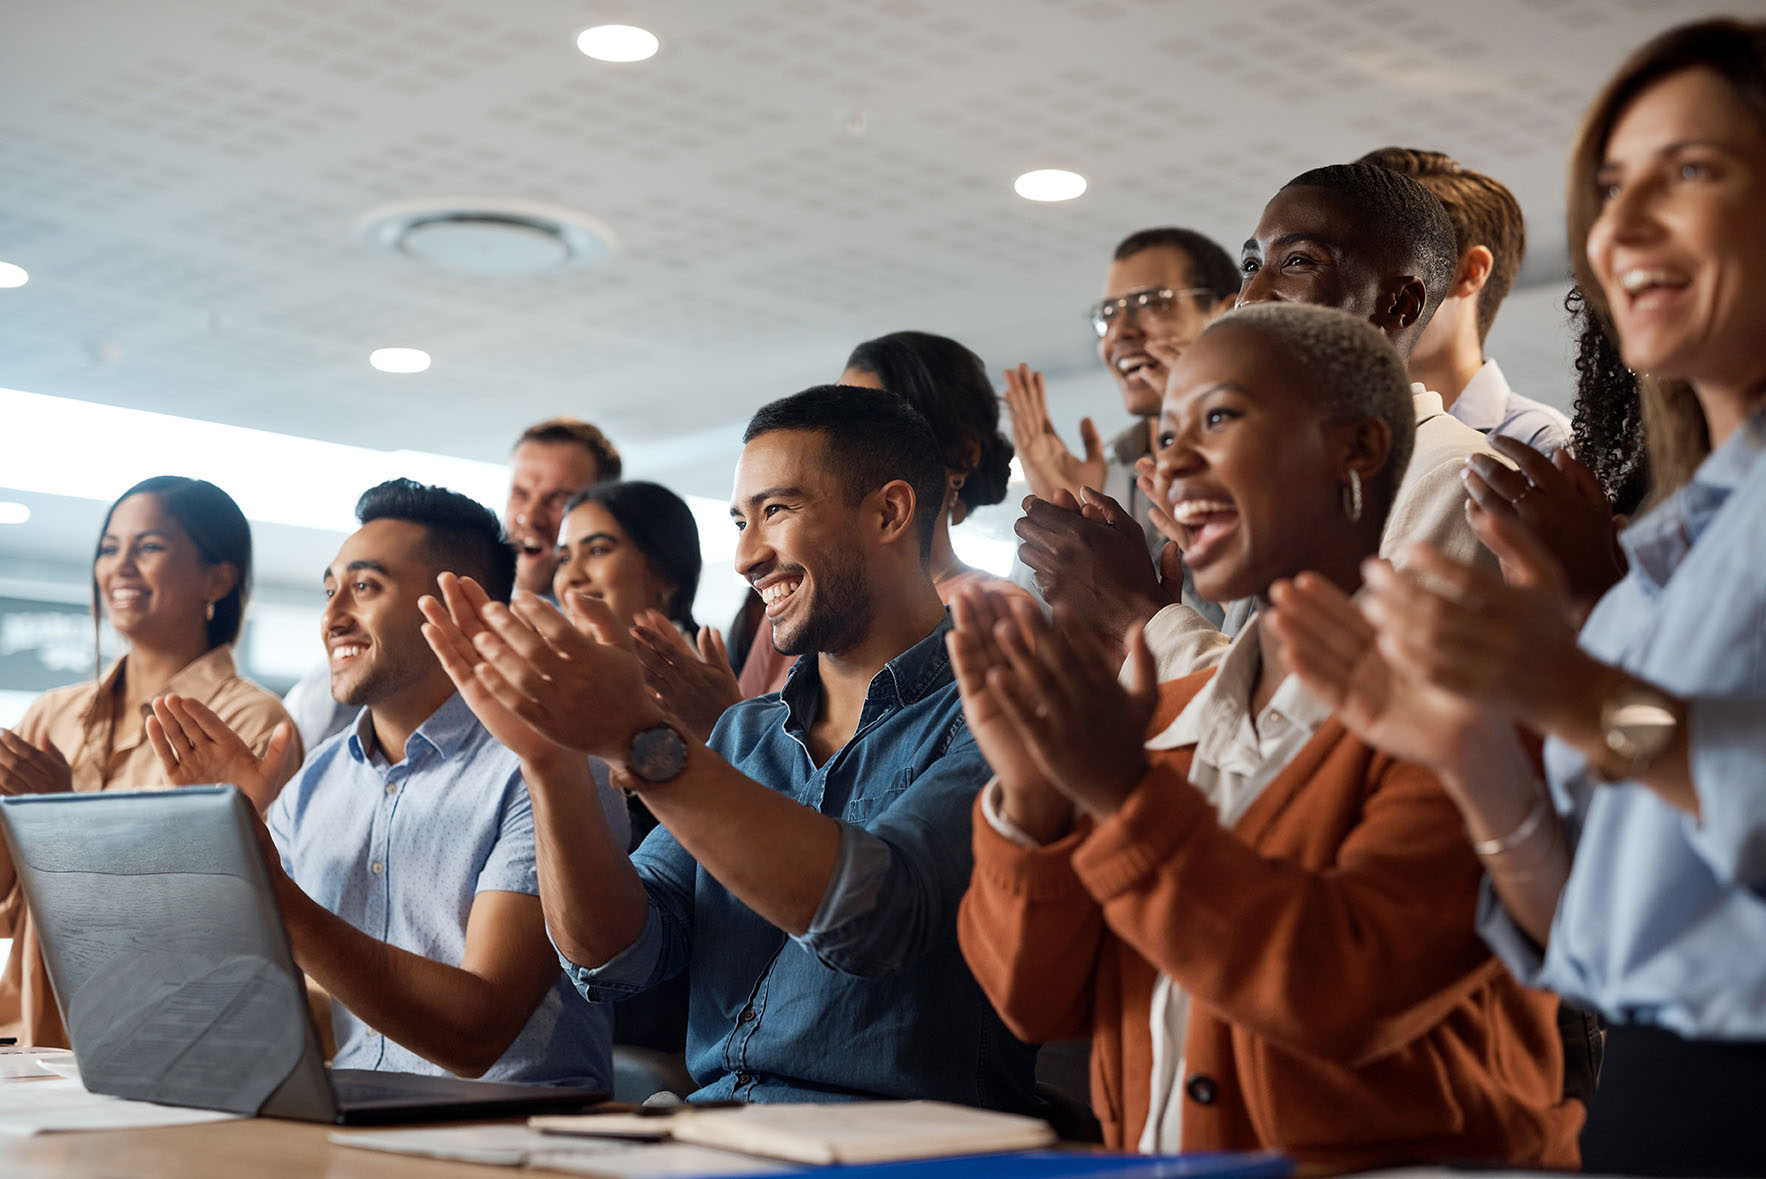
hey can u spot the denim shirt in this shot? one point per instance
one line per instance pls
(874, 1000)
(1663, 918)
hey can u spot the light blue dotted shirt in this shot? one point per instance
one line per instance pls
(401, 851)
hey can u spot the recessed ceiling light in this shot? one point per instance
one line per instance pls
(618, 43)
(14, 513)
(1049, 184)
(399, 360)
(13, 276)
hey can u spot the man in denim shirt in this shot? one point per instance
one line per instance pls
(813, 853)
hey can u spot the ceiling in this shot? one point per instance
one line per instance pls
(785, 178)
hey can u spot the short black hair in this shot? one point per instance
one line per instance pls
(1483, 213)
(949, 385)
(1210, 266)
(1396, 210)
(873, 437)
(661, 525)
(464, 536)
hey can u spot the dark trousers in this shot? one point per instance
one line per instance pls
(1669, 1106)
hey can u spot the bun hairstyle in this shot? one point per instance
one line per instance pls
(219, 530)
(949, 385)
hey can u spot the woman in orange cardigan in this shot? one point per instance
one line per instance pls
(1265, 925)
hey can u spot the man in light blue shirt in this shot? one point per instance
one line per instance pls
(406, 843)
(1491, 238)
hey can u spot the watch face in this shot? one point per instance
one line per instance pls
(658, 754)
(1639, 726)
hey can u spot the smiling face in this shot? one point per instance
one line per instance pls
(798, 545)
(1679, 244)
(597, 558)
(1256, 474)
(371, 626)
(543, 476)
(1175, 324)
(152, 581)
(1309, 247)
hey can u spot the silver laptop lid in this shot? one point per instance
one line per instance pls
(165, 948)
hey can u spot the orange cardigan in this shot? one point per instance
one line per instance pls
(1343, 1008)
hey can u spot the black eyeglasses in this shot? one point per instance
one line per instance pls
(1158, 300)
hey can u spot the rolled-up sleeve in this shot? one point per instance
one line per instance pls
(1726, 746)
(661, 949)
(899, 878)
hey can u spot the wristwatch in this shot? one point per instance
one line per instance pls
(1637, 723)
(658, 754)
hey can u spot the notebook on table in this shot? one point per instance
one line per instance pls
(172, 969)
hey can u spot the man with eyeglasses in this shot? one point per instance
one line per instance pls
(1163, 287)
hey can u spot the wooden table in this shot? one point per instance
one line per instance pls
(252, 1147)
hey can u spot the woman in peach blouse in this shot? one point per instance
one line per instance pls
(171, 574)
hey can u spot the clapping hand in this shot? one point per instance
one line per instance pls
(695, 684)
(580, 686)
(196, 747)
(1562, 503)
(1048, 465)
(1506, 641)
(1028, 798)
(1056, 697)
(1090, 560)
(32, 769)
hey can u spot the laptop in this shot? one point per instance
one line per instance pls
(172, 968)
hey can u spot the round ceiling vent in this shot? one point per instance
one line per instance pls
(487, 237)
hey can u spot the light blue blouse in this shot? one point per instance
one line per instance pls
(1663, 920)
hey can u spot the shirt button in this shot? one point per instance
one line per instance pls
(744, 1078)
(746, 1015)
(377, 868)
(392, 787)
(1202, 1090)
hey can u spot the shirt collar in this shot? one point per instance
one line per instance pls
(446, 730)
(1483, 403)
(1657, 543)
(911, 676)
(198, 679)
(1224, 703)
(1428, 402)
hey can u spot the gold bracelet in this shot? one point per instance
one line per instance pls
(1521, 834)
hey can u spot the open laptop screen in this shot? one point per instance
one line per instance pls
(163, 943)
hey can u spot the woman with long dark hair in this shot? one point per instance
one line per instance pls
(171, 573)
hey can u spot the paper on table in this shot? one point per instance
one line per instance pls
(41, 1107)
(19, 1061)
(513, 1146)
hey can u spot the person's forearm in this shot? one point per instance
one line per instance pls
(8, 873)
(444, 1014)
(1509, 813)
(594, 902)
(774, 854)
